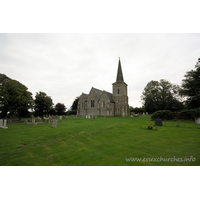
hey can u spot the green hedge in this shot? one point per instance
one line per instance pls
(162, 114)
(185, 114)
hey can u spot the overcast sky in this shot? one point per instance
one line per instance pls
(65, 65)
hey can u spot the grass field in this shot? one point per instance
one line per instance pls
(102, 142)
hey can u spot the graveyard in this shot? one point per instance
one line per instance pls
(99, 141)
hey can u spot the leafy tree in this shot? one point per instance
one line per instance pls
(131, 108)
(75, 104)
(161, 95)
(14, 97)
(60, 108)
(43, 103)
(191, 87)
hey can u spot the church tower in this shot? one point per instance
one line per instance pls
(120, 96)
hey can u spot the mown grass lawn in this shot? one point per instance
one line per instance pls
(101, 142)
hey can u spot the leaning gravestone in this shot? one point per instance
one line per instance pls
(158, 122)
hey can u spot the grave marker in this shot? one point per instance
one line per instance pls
(1, 123)
(4, 124)
(54, 124)
(158, 122)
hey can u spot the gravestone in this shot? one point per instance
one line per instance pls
(104, 117)
(147, 113)
(197, 120)
(33, 120)
(54, 124)
(85, 116)
(60, 117)
(1, 122)
(94, 117)
(89, 116)
(4, 124)
(143, 113)
(158, 122)
(131, 115)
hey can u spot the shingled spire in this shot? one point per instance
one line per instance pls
(119, 73)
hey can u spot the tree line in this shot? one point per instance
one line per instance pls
(163, 95)
(16, 100)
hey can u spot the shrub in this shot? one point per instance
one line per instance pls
(185, 114)
(162, 114)
(189, 114)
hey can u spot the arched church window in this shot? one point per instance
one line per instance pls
(92, 103)
(118, 90)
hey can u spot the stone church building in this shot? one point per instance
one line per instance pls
(99, 102)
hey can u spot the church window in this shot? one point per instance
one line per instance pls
(118, 90)
(118, 109)
(104, 104)
(92, 103)
(82, 104)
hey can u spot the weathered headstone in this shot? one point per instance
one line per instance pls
(147, 113)
(104, 117)
(5, 124)
(197, 120)
(60, 117)
(158, 122)
(131, 115)
(1, 122)
(54, 124)
(33, 120)
(143, 113)
(94, 117)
